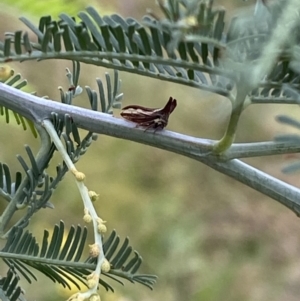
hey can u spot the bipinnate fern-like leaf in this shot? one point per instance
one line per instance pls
(189, 46)
(59, 257)
(124, 44)
(9, 288)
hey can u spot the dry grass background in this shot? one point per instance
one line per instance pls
(206, 236)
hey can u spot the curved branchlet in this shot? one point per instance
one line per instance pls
(90, 214)
(70, 156)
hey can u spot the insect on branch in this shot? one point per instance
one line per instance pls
(150, 118)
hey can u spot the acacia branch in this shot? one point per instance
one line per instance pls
(39, 109)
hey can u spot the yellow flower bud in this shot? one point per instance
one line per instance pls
(80, 176)
(87, 218)
(94, 250)
(92, 280)
(101, 228)
(93, 196)
(105, 267)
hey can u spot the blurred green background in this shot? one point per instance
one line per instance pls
(205, 235)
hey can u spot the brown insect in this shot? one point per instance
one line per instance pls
(155, 118)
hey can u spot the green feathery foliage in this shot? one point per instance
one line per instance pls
(188, 46)
(60, 260)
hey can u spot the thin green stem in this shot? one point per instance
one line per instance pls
(47, 124)
(237, 109)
